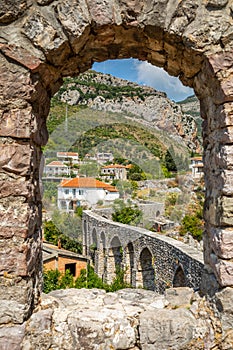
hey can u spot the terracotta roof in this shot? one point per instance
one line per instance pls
(196, 158)
(71, 154)
(87, 182)
(56, 163)
(114, 166)
(200, 165)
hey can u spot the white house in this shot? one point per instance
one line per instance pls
(84, 190)
(104, 157)
(71, 157)
(197, 167)
(56, 168)
(114, 172)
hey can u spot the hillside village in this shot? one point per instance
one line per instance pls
(163, 181)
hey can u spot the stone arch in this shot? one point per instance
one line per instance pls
(146, 271)
(115, 258)
(179, 279)
(188, 41)
(129, 264)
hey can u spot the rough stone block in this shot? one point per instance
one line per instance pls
(12, 337)
(223, 270)
(15, 158)
(164, 329)
(227, 211)
(19, 258)
(15, 123)
(179, 296)
(222, 242)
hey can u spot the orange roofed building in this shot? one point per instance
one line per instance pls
(55, 258)
(84, 190)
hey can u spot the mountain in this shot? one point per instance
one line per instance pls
(141, 104)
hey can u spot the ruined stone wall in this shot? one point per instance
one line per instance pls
(44, 40)
(167, 254)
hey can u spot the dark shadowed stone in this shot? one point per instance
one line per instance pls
(12, 9)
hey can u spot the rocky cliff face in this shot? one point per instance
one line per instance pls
(104, 92)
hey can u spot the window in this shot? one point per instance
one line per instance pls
(80, 192)
(66, 191)
(71, 268)
(74, 192)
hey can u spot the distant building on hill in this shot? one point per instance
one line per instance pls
(114, 172)
(104, 157)
(86, 190)
(56, 168)
(69, 157)
(197, 167)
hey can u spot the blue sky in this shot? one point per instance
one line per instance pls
(144, 73)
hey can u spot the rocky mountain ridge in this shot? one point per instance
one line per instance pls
(144, 104)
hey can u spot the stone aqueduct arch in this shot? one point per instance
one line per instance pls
(42, 41)
(149, 259)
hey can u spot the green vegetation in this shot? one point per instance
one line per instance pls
(126, 213)
(193, 224)
(53, 235)
(53, 279)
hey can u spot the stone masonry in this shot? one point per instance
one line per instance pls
(168, 256)
(43, 41)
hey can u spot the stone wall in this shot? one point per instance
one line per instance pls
(41, 42)
(167, 255)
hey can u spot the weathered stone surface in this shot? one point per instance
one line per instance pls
(177, 297)
(166, 329)
(128, 319)
(223, 270)
(222, 242)
(11, 337)
(12, 9)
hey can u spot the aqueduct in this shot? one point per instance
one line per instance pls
(43, 41)
(150, 260)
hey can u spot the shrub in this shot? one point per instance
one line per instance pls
(192, 224)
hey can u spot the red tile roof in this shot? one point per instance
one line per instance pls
(56, 163)
(87, 182)
(114, 166)
(71, 154)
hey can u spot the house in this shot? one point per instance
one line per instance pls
(85, 190)
(57, 258)
(104, 157)
(56, 168)
(69, 157)
(114, 172)
(197, 167)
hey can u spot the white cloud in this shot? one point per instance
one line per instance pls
(160, 80)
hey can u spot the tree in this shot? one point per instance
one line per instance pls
(169, 160)
(126, 213)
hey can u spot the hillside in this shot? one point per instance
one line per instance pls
(191, 106)
(143, 104)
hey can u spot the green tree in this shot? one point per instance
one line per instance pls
(126, 213)
(169, 160)
(192, 224)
